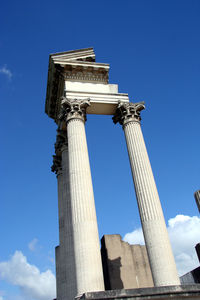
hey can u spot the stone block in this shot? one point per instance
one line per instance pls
(191, 277)
(125, 266)
(178, 292)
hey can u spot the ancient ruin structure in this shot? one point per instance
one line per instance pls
(77, 86)
(124, 266)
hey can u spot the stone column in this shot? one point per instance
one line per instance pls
(65, 260)
(197, 198)
(154, 228)
(57, 168)
(89, 273)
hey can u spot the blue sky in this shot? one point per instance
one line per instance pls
(153, 49)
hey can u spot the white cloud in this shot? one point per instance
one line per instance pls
(32, 245)
(4, 70)
(32, 283)
(184, 234)
(135, 237)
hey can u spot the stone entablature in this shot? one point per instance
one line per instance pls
(84, 72)
(76, 75)
(80, 65)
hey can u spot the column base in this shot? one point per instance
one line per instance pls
(175, 292)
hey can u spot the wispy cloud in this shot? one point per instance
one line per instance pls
(33, 244)
(5, 71)
(33, 284)
(184, 235)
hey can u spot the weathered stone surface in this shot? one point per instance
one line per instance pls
(191, 277)
(178, 292)
(125, 266)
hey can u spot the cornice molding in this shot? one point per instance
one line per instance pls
(86, 54)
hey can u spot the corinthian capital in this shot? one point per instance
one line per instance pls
(73, 109)
(128, 112)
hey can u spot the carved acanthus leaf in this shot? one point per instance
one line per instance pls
(128, 112)
(73, 109)
(56, 167)
(61, 140)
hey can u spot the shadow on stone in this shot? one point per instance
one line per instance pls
(111, 266)
(124, 266)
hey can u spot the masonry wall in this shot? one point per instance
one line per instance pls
(191, 277)
(125, 266)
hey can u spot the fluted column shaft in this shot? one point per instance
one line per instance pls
(197, 198)
(67, 240)
(89, 273)
(60, 267)
(154, 228)
(65, 261)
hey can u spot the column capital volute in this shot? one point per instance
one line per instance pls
(57, 165)
(128, 112)
(73, 109)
